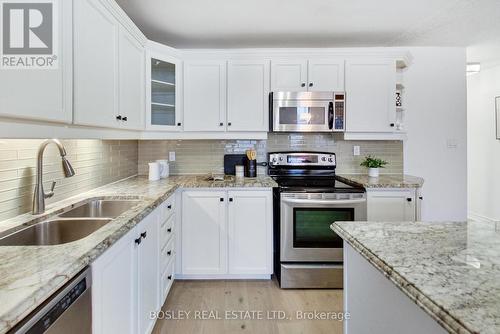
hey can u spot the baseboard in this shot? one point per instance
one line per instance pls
(221, 277)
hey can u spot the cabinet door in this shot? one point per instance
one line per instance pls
(250, 227)
(289, 75)
(163, 82)
(131, 75)
(114, 288)
(391, 205)
(370, 91)
(326, 75)
(148, 271)
(44, 94)
(204, 96)
(96, 65)
(204, 232)
(248, 95)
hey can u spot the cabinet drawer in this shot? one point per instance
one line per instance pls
(166, 231)
(167, 254)
(168, 208)
(167, 278)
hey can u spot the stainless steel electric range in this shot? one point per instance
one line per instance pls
(308, 254)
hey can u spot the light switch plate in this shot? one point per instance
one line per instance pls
(171, 156)
(356, 150)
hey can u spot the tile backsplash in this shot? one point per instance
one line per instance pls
(96, 162)
(206, 156)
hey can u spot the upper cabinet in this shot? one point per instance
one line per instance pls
(307, 75)
(163, 108)
(370, 86)
(204, 95)
(326, 74)
(247, 95)
(42, 94)
(289, 75)
(108, 69)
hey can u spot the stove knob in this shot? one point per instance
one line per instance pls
(281, 158)
(274, 159)
(323, 159)
(330, 160)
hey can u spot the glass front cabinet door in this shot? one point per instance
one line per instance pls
(163, 100)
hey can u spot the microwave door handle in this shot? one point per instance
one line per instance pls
(322, 202)
(330, 115)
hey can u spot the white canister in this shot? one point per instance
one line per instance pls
(373, 172)
(240, 171)
(154, 171)
(164, 168)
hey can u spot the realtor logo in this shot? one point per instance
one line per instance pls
(28, 34)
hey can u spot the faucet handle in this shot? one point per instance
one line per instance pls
(51, 192)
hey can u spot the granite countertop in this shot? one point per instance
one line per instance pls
(383, 181)
(451, 269)
(30, 274)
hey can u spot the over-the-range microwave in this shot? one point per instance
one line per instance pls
(307, 111)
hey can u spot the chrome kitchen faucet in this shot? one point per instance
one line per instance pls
(40, 195)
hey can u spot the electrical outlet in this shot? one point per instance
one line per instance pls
(356, 150)
(171, 156)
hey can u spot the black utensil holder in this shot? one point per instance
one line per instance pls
(251, 168)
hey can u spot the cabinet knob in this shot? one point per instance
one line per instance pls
(169, 206)
(303, 84)
(221, 124)
(392, 125)
(421, 198)
(119, 117)
(221, 199)
(229, 124)
(311, 84)
(144, 235)
(179, 124)
(169, 277)
(125, 118)
(138, 241)
(409, 199)
(169, 230)
(231, 199)
(169, 253)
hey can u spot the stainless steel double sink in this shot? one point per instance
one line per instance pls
(69, 226)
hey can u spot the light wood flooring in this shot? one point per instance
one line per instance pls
(222, 296)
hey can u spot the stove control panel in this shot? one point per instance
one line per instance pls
(302, 159)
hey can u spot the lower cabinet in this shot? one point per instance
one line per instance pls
(393, 204)
(226, 234)
(128, 279)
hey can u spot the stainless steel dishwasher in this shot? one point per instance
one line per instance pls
(69, 310)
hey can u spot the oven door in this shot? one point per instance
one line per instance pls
(302, 116)
(305, 224)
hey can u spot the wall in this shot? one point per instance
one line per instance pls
(436, 149)
(207, 156)
(484, 148)
(96, 163)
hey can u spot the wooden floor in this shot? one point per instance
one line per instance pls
(217, 297)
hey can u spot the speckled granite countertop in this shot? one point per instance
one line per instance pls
(451, 270)
(30, 274)
(383, 181)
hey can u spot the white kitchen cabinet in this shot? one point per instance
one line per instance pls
(163, 83)
(247, 95)
(114, 288)
(250, 215)
(44, 94)
(131, 74)
(95, 65)
(289, 75)
(326, 74)
(204, 232)
(370, 86)
(226, 234)
(204, 95)
(148, 271)
(392, 205)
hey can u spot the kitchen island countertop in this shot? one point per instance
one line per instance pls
(383, 181)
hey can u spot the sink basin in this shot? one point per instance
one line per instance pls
(53, 232)
(101, 208)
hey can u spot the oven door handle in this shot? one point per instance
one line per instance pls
(321, 202)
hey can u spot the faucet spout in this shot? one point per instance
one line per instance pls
(40, 195)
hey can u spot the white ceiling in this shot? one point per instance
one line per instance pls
(318, 23)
